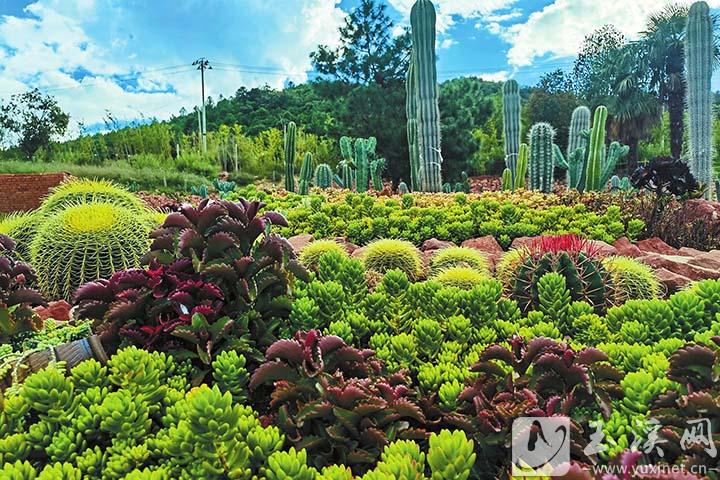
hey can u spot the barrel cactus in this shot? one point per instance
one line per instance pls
(459, 257)
(323, 176)
(21, 227)
(311, 253)
(570, 256)
(465, 278)
(384, 255)
(83, 190)
(630, 280)
(84, 242)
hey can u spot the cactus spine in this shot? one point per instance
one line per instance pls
(306, 173)
(290, 133)
(596, 150)
(698, 63)
(541, 157)
(422, 20)
(323, 176)
(411, 110)
(511, 125)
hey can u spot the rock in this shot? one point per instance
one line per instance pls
(299, 242)
(700, 209)
(487, 245)
(425, 256)
(691, 252)
(679, 265)
(672, 281)
(655, 245)
(59, 310)
(349, 246)
(626, 248)
(358, 252)
(435, 244)
(520, 242)
(603, 248)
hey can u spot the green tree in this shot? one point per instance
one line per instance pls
(34, 119)
(554, 108)
(368, 52)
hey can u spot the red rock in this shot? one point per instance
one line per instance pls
(679, 265)
(435, 244)
(520, 242)
(349, 246)
(604, 249)
(655, 245)
(487, 245)
(626, 248)
(691, 252)
(358, 252)
(700, 209)
(672, 281)
(59, 310)
(299, 242)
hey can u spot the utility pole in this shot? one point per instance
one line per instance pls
(203, 64)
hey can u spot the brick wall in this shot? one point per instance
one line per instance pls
(22, 192)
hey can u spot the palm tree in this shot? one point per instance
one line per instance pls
(664, 55)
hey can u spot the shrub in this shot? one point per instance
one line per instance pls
(83, 190)
(458, 257)
(384, 255)
(460, 277)
(630, 280)
(310, 255)
(84, 242)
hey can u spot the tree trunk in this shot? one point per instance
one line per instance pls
(676, 111)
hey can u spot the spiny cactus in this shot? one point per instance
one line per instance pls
(601, 161)
(511, 125)
(290, 135)
(411, 111)
(579, 123)
(507, 183)
(388, 254)
(422, 20)
(87, 190)
(362, 165)
(84, 242)
(311, 253)
(306, 174)
(323, 176)
(447, 188)
(541, 157)
(699, 54)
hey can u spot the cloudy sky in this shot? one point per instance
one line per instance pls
(132, 57)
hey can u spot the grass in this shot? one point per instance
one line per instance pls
(144, 178)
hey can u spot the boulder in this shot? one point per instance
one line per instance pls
(655, 245)
(435, 244)
(679, 265)
(299, 242)
(59, 310)
(520, 242)
(603, 248)
(623, 246)
(672, 281)
(487, 245)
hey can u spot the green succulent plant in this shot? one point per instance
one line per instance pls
(689, 312)
(84, 242)
(384, 255)
(451, 455)
(230, 374)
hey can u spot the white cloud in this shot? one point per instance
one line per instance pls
(447, 43)
(500, 76)
(447, 9)
(559, 29)
(55, 39)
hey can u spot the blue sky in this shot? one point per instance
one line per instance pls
(132, 57)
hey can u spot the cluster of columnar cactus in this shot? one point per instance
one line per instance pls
(513, 182)
(699, 54)
(359, 166)
(423, 77)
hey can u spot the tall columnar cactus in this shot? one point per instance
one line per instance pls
(541, 157)
(377, 167)
(290, 133)
(521, 167)
(345, 175)
(362, 165)
(306, 174)
(579, 122)
(698, 63)
(422, 20)
(511, 124)
(411, 109)
(323, 176)
(596, 150)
